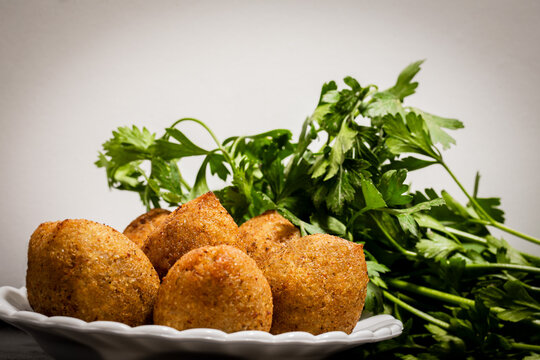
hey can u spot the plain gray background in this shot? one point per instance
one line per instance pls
(72, 71)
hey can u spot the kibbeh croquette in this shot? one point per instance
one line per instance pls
(319, 284)
(90, 271)
(199, 222)
(285, 282)
(217, 287)
(139, 229)
(265, 234)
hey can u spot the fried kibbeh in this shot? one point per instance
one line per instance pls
(265, 234)
(199, 222)
(318, 283)
(90, 271)
(217, 287)
(139, 229)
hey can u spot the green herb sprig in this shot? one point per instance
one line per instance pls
(432, 261)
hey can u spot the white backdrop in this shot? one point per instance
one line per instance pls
(72, 71)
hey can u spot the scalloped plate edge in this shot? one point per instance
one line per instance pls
(14, 309)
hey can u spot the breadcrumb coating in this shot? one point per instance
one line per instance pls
(217, 287)
(266, 234)
(319, 284)
(199, 222)
(139, 229)
(90, 271)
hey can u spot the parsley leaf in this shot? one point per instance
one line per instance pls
(435, 126)
(437, 247)
(343, 143)
(392, 187)
(404, 85)
(409, 136)
(372, 197)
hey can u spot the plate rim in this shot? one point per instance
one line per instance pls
(23, 319)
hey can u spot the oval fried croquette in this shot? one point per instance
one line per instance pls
(199, 222)
(318, 283)
(265, 234)
(139, 229)
(90, 271)
(217, 287)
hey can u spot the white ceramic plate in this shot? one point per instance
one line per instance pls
(69, 338)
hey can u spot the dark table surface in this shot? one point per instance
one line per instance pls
(18, 345)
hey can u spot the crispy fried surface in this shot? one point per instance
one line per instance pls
(139, 229)
(217, 287)
(318, 284)
(199, 222)
(90, 271)
(265, 234)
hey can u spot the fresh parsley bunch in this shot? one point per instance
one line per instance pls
(432, 261)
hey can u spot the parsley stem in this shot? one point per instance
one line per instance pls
(502, 227)
(225, 153)
(184, 182)
(471, 199)
(481, 240)
(392, 240)
(214, 137)
(435, 294)
(484, 214)
(525, 285)
(303, 143)
(523, 236)
(522, 346)
(531, 257)
(514, 267)
(466, 235)
(415, 311)
(432, 293)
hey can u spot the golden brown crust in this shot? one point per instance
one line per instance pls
(139, 229)
(266, 234)
(200, 222)
(90, 271)
(217, 287)
(318, 283)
